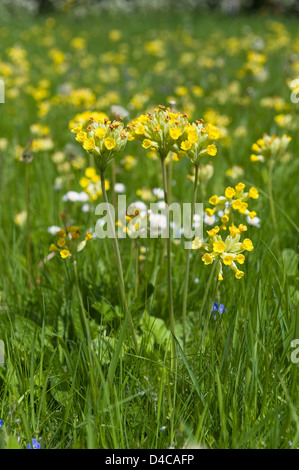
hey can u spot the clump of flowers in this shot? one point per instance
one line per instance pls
(227, 252)
(269, 148)
(103, 139)
(162, 130)
(199, 141)
(234, 199)
(69, 243)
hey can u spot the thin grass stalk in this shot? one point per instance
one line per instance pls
(169, 272)
(118, 261)
(186, 280)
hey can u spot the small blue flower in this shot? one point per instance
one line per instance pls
(220, 308)
(1, 423)
(35, 445)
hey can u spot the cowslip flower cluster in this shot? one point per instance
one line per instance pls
(162, 130)
(199, 141)
(227, 252)
(103, 139)
(69, 243)
(269, 148)
(234, 199)
(91, 184)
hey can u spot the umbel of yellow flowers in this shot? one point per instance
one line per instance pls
(269, 148)
(103, 139)
(165, 131)
(227, 252)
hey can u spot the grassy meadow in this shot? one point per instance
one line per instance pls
(75, 375)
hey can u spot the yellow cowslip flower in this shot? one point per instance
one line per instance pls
(211, 150)
(109, 143)
(239, 187)
(207, 259)
(186, 145)
(219, 246)
(89, 144)
(209, 212)
(253, 193)
(61, 242)
(225, 219)
(64, 254)
(213, 231)
(100, 132)
(214, 200)
(229, 192)
(88, 236)
(81, 136)
(175, 133)
(239, 274)
(213, 132)
(192, 137)
(240, 258)
(247, 244)
(53, 248)
(146, 144)
(228, 259)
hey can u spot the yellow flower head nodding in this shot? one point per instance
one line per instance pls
(209, 212)
(239, 274)
(186, 145)
(89, 144)
(64, 253)
(229, 193)
(88, 236)
(239, 187)
(207, 259)
(213, 232)
(211, 150)
(100, 132)
(242, 228)
(228, 259)
(192, 137)
(219, 246)
(233, 230)
(247, 244)
(53, 248)
(225, 219)
(146, 143)
(253, 193)
(214, 200)
(240, 258)
(109, 143)
(175, 132)
(252, 214)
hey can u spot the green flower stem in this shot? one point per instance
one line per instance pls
(82, 308)
(272, 206)
(28, 232)
(118, 262)
(186, 281)
(169, 268)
